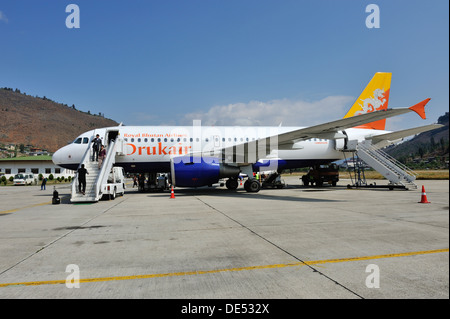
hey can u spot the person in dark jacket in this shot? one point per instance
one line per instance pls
(96, 144)
(44, 182)
(82, 179)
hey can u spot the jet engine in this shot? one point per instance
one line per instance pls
(189, 171)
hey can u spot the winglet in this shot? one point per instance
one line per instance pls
(419, 108)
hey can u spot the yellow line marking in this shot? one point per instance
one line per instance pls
(20, 208)
(202, 272)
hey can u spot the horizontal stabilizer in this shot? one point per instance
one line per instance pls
(386, 139)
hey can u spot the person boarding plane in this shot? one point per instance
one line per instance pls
(196, 156)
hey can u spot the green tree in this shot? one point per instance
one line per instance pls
(421, 152)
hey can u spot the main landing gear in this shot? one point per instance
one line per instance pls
(250, 185)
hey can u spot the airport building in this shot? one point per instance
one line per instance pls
(32, 164)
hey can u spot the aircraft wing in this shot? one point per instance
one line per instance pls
(250, 152)
(330, 129)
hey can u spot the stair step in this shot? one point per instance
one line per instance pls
(388, 166)
(92, 177)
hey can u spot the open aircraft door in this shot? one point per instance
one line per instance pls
(114, 134)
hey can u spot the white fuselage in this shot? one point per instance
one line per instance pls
(150, 148)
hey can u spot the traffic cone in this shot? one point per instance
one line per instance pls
(423, 199)
(172, 194)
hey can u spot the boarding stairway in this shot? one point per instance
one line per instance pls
(396, 172)
(96, 177)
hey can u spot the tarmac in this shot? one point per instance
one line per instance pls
(211, 243)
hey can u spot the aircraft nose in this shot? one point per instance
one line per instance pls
(57, 157)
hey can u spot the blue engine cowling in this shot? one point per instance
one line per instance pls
(190, 171)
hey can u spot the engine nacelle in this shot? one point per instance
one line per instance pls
(190, 171)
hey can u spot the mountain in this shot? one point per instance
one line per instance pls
(41, 122)
(427, 146)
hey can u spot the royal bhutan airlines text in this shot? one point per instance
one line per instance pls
(158, 148)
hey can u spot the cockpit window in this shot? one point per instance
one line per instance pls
(77, 141)
(85, 140)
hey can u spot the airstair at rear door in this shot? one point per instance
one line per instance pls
(396, 172)
(96, 177)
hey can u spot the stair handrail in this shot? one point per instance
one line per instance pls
(398, 163)
(106, 167)
(87, 154)
(397, 166)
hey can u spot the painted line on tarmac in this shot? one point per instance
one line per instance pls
(20, 208)
(202, 272)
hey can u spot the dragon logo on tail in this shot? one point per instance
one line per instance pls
(374, 103)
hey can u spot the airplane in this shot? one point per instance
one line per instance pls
(197, 155)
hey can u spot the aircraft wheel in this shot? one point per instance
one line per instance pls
(232, 184)
(246, 185)
(253, 186)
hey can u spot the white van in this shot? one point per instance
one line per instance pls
(23, 179)
(115, 184)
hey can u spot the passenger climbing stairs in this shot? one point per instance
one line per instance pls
(95, 177)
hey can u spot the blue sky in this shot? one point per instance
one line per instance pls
(258, 62)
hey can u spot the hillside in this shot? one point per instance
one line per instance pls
(431, 146)
(41, 122)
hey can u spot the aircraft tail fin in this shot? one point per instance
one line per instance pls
(375, 97)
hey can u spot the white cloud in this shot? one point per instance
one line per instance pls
(274, 112)
(3, 17)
